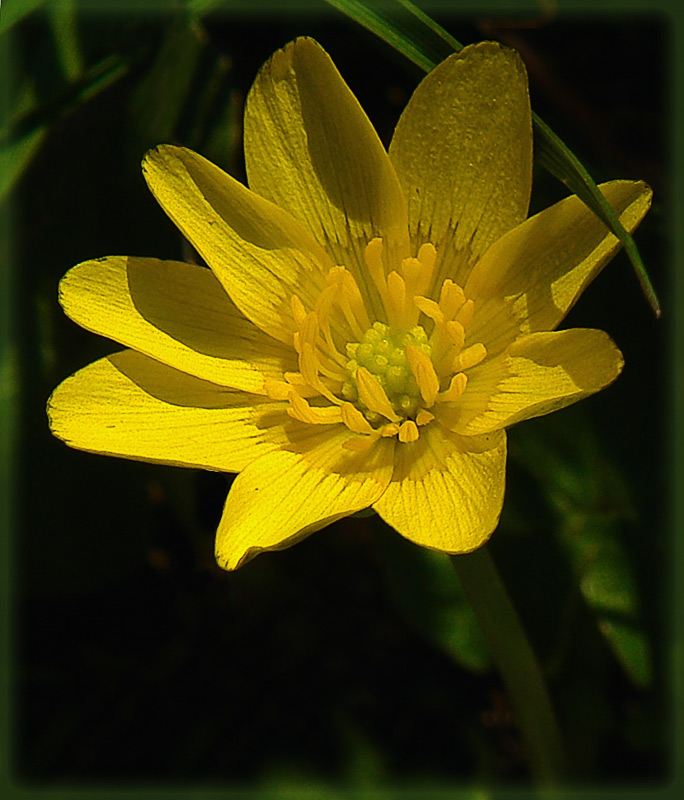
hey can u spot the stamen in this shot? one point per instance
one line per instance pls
(280, 390)
(277, 390)
(353, 296)
(427, 255)
(456, 333)
(396, 305)
(429, 308)
(354, 419)
(332, 352)
(373, 395)
(456, 388)
(411, 270)
(424, 372)
(451, 298)
(471, 356)
(423, 417)
(408, 432)
(465, 313)
(389, 430)
(308, 330)
(298, 310)
(346, 294)
(301, 410)
(325, 303)
(373, 257)
(308, 366)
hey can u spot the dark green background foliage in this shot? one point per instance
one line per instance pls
(350, 659)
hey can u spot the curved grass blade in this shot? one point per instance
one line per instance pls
(16, 12)
(418, 37)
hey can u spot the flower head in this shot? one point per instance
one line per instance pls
(371, 321)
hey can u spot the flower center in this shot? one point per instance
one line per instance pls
(382, 352)
(384, 378)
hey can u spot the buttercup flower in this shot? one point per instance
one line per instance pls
(370, 321)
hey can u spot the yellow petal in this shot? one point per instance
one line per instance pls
(531, 278)
(290, 493)
(540, 373)
(131, 406)
(463, 153)
(259, 252)
(310, 148)
(447, 490)
(175, 313)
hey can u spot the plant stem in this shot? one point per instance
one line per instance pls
(517, 664)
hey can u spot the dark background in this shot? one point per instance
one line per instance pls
(351, 659)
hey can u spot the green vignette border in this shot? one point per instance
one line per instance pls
(10, 411)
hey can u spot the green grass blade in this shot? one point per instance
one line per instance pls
(418, 37)
(62, 18)
(13, 12)
(397, 27)
(563, 164)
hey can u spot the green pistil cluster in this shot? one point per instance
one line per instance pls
(383, 353)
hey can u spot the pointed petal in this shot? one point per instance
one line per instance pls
(310, 148)
(532, 276)
(175, 313)
(447, 491)
(463, 153)
(540, 373)
(260, 254)
(131, 406)
(288, 494)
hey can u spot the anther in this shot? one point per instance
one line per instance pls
(408, 432)
(373, 396)
(471, 356)
(299, 409)
(373, 257)
(354, 419)
(424, 373)
(456, 388)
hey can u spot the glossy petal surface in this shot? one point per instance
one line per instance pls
(310, 148)
(260, 254)
(447, 490)
(369, 322)
(286, 495)
(529, 279)
(540, 373)
(463, 153)
(132, 406)
(177, 313)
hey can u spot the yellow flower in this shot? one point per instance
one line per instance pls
(371, 321)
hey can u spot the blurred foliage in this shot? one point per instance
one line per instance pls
(351, 659)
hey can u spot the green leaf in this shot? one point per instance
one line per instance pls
(416, 36)
(592, 504)
(428, 595)
(160, 99)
